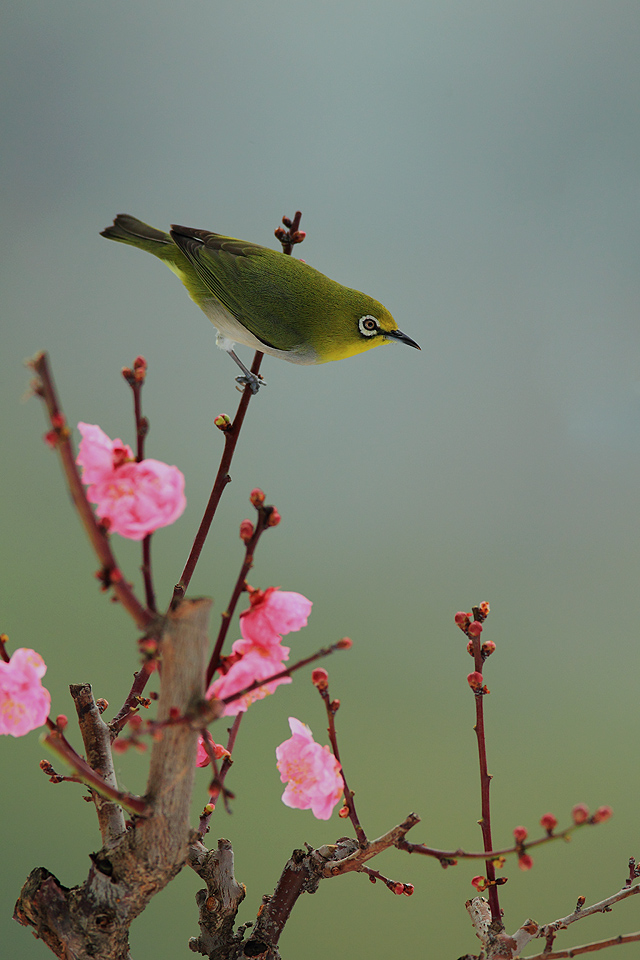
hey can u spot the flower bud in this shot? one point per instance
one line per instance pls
(408, 889)
(345, 644)
(223, 422)
(580, 813)
(140, 368)
(520, 834)
(475, 681)
(480, 883)
(484, 608)
(549, 822)
(475, 629)
(602, 814)
(462, 619)
(320, 678)
(398, 889)
(61, 721)
(274, 518)
(257, 497)
(343, 812)
(525, 862)
(488, 647)
(246, 531)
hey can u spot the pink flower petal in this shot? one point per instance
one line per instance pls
(273, 613)
(311, 772)
(24, 702)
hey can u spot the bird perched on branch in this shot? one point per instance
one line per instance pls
(263, 298)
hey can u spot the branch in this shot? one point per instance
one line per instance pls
(60, 437)
(231, 434)
(91, 921)
(97, 744)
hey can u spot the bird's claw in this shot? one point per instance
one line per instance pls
(251, 381)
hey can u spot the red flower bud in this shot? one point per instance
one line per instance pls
(320, 678)
(549, 822)
(525, 862)
(580, 813)
(274, 518)
(488, 647)
(484, 608)
(520, 834)
(246, 531)
(343, 812)
(345, 644)
(257, 497)
(475, 681)
(475, 629)
(480, 883)
(602, 814)
(462, 619)
(408, 889)
(61, 721)
(140, 368)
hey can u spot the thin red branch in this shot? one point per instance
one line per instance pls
(238, 590)
(60, 436)
(332, 707)
(231, 435)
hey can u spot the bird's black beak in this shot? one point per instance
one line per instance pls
(400, 337)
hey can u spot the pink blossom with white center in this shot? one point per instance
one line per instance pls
(254, 665)
(24, 702)
(272, 613)
(132, 499)
(311, 772)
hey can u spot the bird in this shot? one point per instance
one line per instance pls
(264, 299)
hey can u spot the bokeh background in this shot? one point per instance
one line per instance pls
(474, 166)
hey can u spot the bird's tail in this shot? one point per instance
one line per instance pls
(127, 229)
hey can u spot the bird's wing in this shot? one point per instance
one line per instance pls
(259, 287)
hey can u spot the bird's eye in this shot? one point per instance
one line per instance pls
(368, 326)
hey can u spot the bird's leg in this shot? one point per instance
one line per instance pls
(249, 378)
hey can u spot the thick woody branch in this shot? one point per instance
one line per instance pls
(218, 904)
(97, 744)
(91, 921)
(500, 946)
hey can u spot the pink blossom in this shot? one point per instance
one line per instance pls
(24, 702)
(202, 757)
(312, 772)
(132, 499)
(99, 455)
(254, 665)
(273, 613)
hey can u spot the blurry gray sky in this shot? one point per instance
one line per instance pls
(474, 166)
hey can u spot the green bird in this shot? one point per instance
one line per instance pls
(264, 299)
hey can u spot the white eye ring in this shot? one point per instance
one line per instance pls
(368, 326)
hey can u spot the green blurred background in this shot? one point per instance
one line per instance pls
(474, 166)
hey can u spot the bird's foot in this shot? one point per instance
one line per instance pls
(252, 381)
